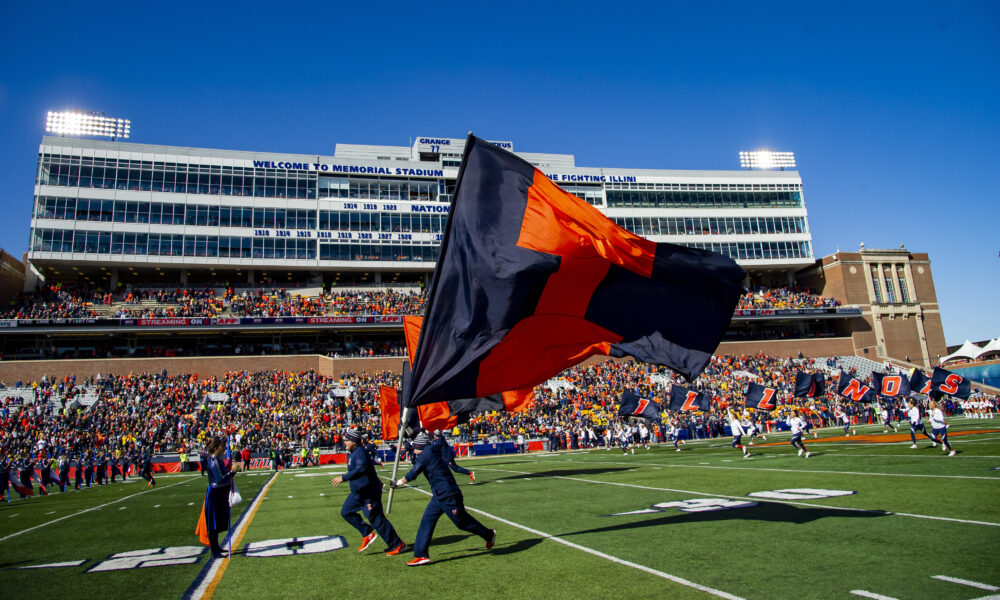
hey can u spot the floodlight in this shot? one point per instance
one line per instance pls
(87, 123)
(766, 159)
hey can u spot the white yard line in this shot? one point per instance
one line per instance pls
(697, 493)
(15, 534)
(865, 594)
(591, 551)
(975, 584)
(646, 464)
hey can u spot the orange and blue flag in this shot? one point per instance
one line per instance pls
(810, 385)
(952, 384)
(852, 388)
(683, 399)
(634, 406)
(887, 384)
(761, 397)
(532, 280)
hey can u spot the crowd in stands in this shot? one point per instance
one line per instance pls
(784, 297)
(279, 409)
(56, 301)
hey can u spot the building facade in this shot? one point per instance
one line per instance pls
(110, 212)
(895, 290)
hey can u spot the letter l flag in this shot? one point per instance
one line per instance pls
(532, 280)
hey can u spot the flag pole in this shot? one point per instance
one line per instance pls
(395, 464)
(229, 532)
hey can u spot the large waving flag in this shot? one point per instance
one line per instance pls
(761, 397)
(890, 385)
(633, 406)
(684, 399)
(952, 384)
(442, 415)
(532, 280)
(849, 387)
(810, 385)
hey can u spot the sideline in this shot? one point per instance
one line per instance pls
(3, 539)
(204, 585)
(756, 499)
(599, 554)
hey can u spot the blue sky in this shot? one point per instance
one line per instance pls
(891, 108)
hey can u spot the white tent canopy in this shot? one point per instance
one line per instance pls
(968, 350)
(993, 346)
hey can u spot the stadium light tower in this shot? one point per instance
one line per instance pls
(93, 123)
(767, 159)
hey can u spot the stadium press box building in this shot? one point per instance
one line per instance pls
(110, 214)
(122, 211)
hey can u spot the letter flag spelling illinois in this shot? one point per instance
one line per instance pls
(891, 384)
(850, 387)
(810, 385)
(919, 382)
(633, 406)
(533, 280)
(952, 384)
(761, 397)
(683, 399)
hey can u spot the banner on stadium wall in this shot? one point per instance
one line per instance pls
(207, 321)
(337, 320)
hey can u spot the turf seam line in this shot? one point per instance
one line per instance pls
(204, 585)
(88, 510)
(598, 553)
(695, 493)
(975, 584)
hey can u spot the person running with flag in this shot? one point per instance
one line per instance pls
(446, 499)
(449, 456)
(940, 428)
(798, 426)
(917, 424)
(365, 496)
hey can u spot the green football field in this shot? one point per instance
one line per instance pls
(863, 517)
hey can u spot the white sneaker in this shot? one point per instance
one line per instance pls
(952, 453)
(678, 449)
(800, 452)
(746, 455)
(913, 446)
(808, 454)
(944, 448)
(933, 445)
(854, 432)
(763, 437)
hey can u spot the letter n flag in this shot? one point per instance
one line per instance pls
(533, 280)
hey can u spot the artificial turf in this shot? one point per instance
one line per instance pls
(917, 514)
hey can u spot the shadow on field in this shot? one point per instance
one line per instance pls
(565, 473)
(765, 511)
(500, 549)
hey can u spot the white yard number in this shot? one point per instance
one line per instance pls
(692, 505)
(154, 557)
(705, 504)
(291, 546)
(800, 494)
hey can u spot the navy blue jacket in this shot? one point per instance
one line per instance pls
(433, 463)
(361, 474)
